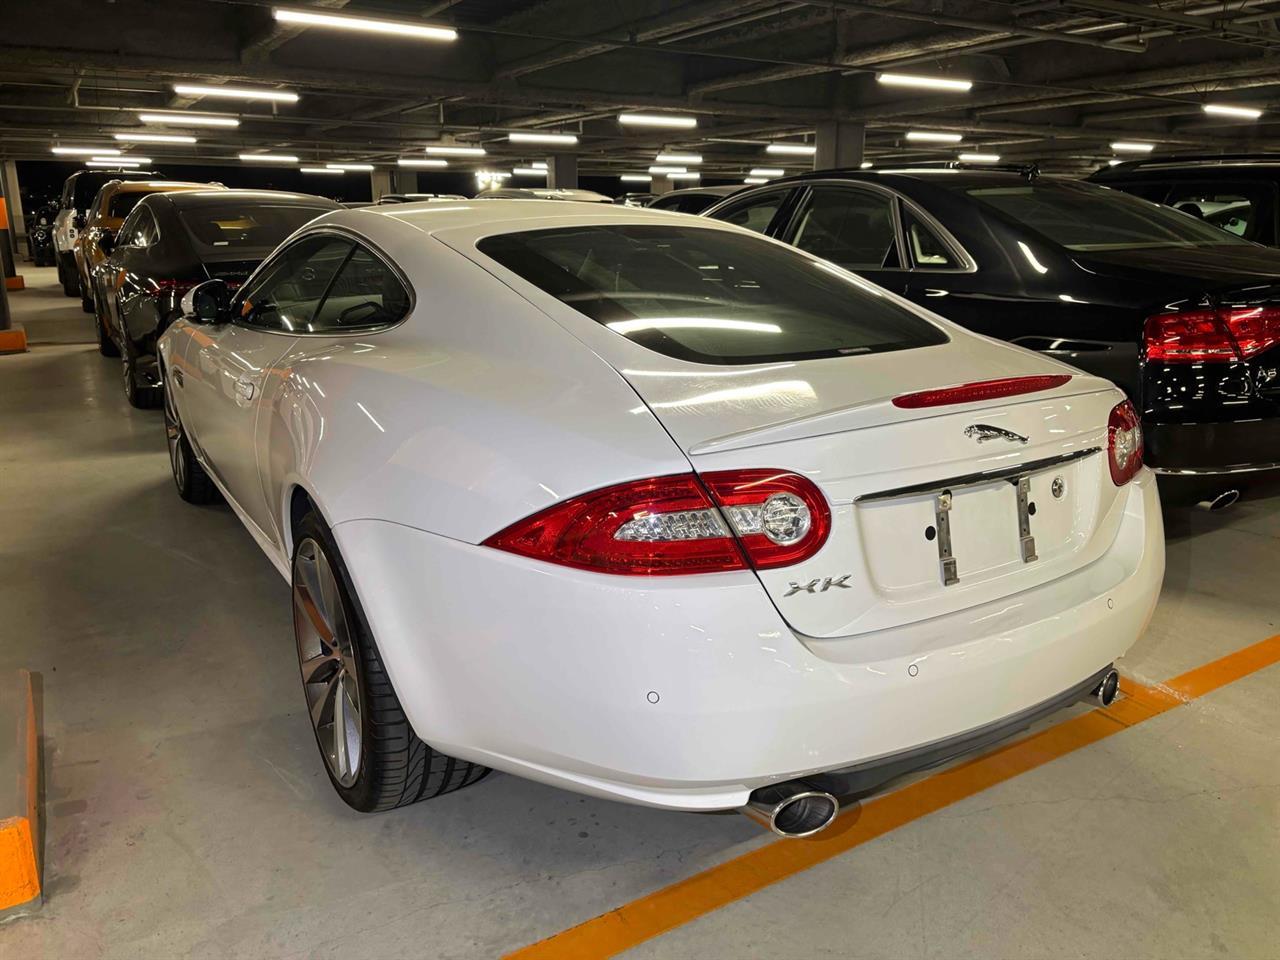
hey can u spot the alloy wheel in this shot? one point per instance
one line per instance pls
(328, 660)
(173, 436)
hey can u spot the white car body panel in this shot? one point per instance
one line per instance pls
(494, 400)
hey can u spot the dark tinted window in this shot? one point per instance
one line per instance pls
(689, 203)
(754, 213)
(285, 296)
(365, 293)
(85, 185)
(1085, 217)
(853, 228)
(708, 295)
(1240, 209)
(243, 223)
(928, 252)
(139, 230)
(122, 203)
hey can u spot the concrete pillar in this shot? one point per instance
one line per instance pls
(660, 184)
(839, 144)
(380, 183)
(17, 220)
(562, 171)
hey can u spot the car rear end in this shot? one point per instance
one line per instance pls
(890, 534)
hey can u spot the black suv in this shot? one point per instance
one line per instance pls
(1183, 316)
(1239, 193)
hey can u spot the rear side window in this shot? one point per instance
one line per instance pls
(1237, 209)
(928, 252)
(365, 293)
(1085, 217)
(754, 213)
(853, 228)
(710, 296)
(122, 204)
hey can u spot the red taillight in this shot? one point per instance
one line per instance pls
(981, 390)
(173, 286)
(1212, 334)
(1124, 443)
(676, 525)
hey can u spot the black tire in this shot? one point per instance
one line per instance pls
(86, 301)
(194, 485)
(143, 398)
(106, 346)
(395, 767)
(68, 274)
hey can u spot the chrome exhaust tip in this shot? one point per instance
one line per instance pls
(793, 809)
(1104, 694)
(1226, 498)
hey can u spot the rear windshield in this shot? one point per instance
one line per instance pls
(1084, 217)
(88, 183)
(122, 204)
(242, 225)
(710, 296)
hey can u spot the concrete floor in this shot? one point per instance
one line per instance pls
(189, 814)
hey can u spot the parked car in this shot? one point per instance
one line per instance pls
(1239, 193)
(114, 201)
(652, 508)
(168, 244)
(1183, 316)
(542, 193)
(692, 199)
(635, 199)
(78, 191)
(415, 197)
(40, 236)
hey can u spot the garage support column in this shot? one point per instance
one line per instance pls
(380, 183)
(13, 198)
(660, 184)
(562, 171)
(840, 145)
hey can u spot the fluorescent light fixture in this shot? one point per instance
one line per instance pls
(528, 172)
(755, 180)
(128, 161)
(322, 170)
(188, 120)
(980, 157)
(540, 164)
(86, 151)
(347, 166)
(687, 175)
(1128, 146)
(566, 139)
(337, 21)
(865, 165)
(1112, 163)
(107, 162)
(270, 158)
(768, 172)
(636, 178)
(445, 150)
(658, 120)
(667, 170)
(679, 158)
(234, 93)
(153, 138)
(934, 136)
(435, 162)
(1222, 110)
(926, 83)
(791, 149)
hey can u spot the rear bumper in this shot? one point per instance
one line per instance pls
(1191, 449)
(691, 692)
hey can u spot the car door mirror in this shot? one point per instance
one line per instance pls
(106, 242)
(208, 302)
(79, 221)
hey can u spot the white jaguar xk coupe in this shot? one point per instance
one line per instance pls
(654, 508)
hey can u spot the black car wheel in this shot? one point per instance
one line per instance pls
(86, 300)
(106, 346)
(144, 398)
(194, 485)
(67, 274)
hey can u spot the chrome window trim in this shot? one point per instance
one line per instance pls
(345, 233)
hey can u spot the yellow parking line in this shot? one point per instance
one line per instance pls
(656, 913)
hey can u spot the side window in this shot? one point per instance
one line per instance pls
(754, 213)
(1237, 209)
(139, 230)
(928, 252)
(366, 293)
(286, 295)
(854, 228)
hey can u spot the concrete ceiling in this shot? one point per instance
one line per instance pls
(1054, 82)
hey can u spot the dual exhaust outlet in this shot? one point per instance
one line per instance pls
(798, 808)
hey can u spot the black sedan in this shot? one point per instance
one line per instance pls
(1183, 316)
(168, 244)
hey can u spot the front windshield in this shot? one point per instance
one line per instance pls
(1086, 217)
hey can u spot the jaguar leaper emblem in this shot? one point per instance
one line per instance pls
(982, 432)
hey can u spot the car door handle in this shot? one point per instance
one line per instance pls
(177, 377)
(244, 389)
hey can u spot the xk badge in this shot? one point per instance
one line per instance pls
(819, 585)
